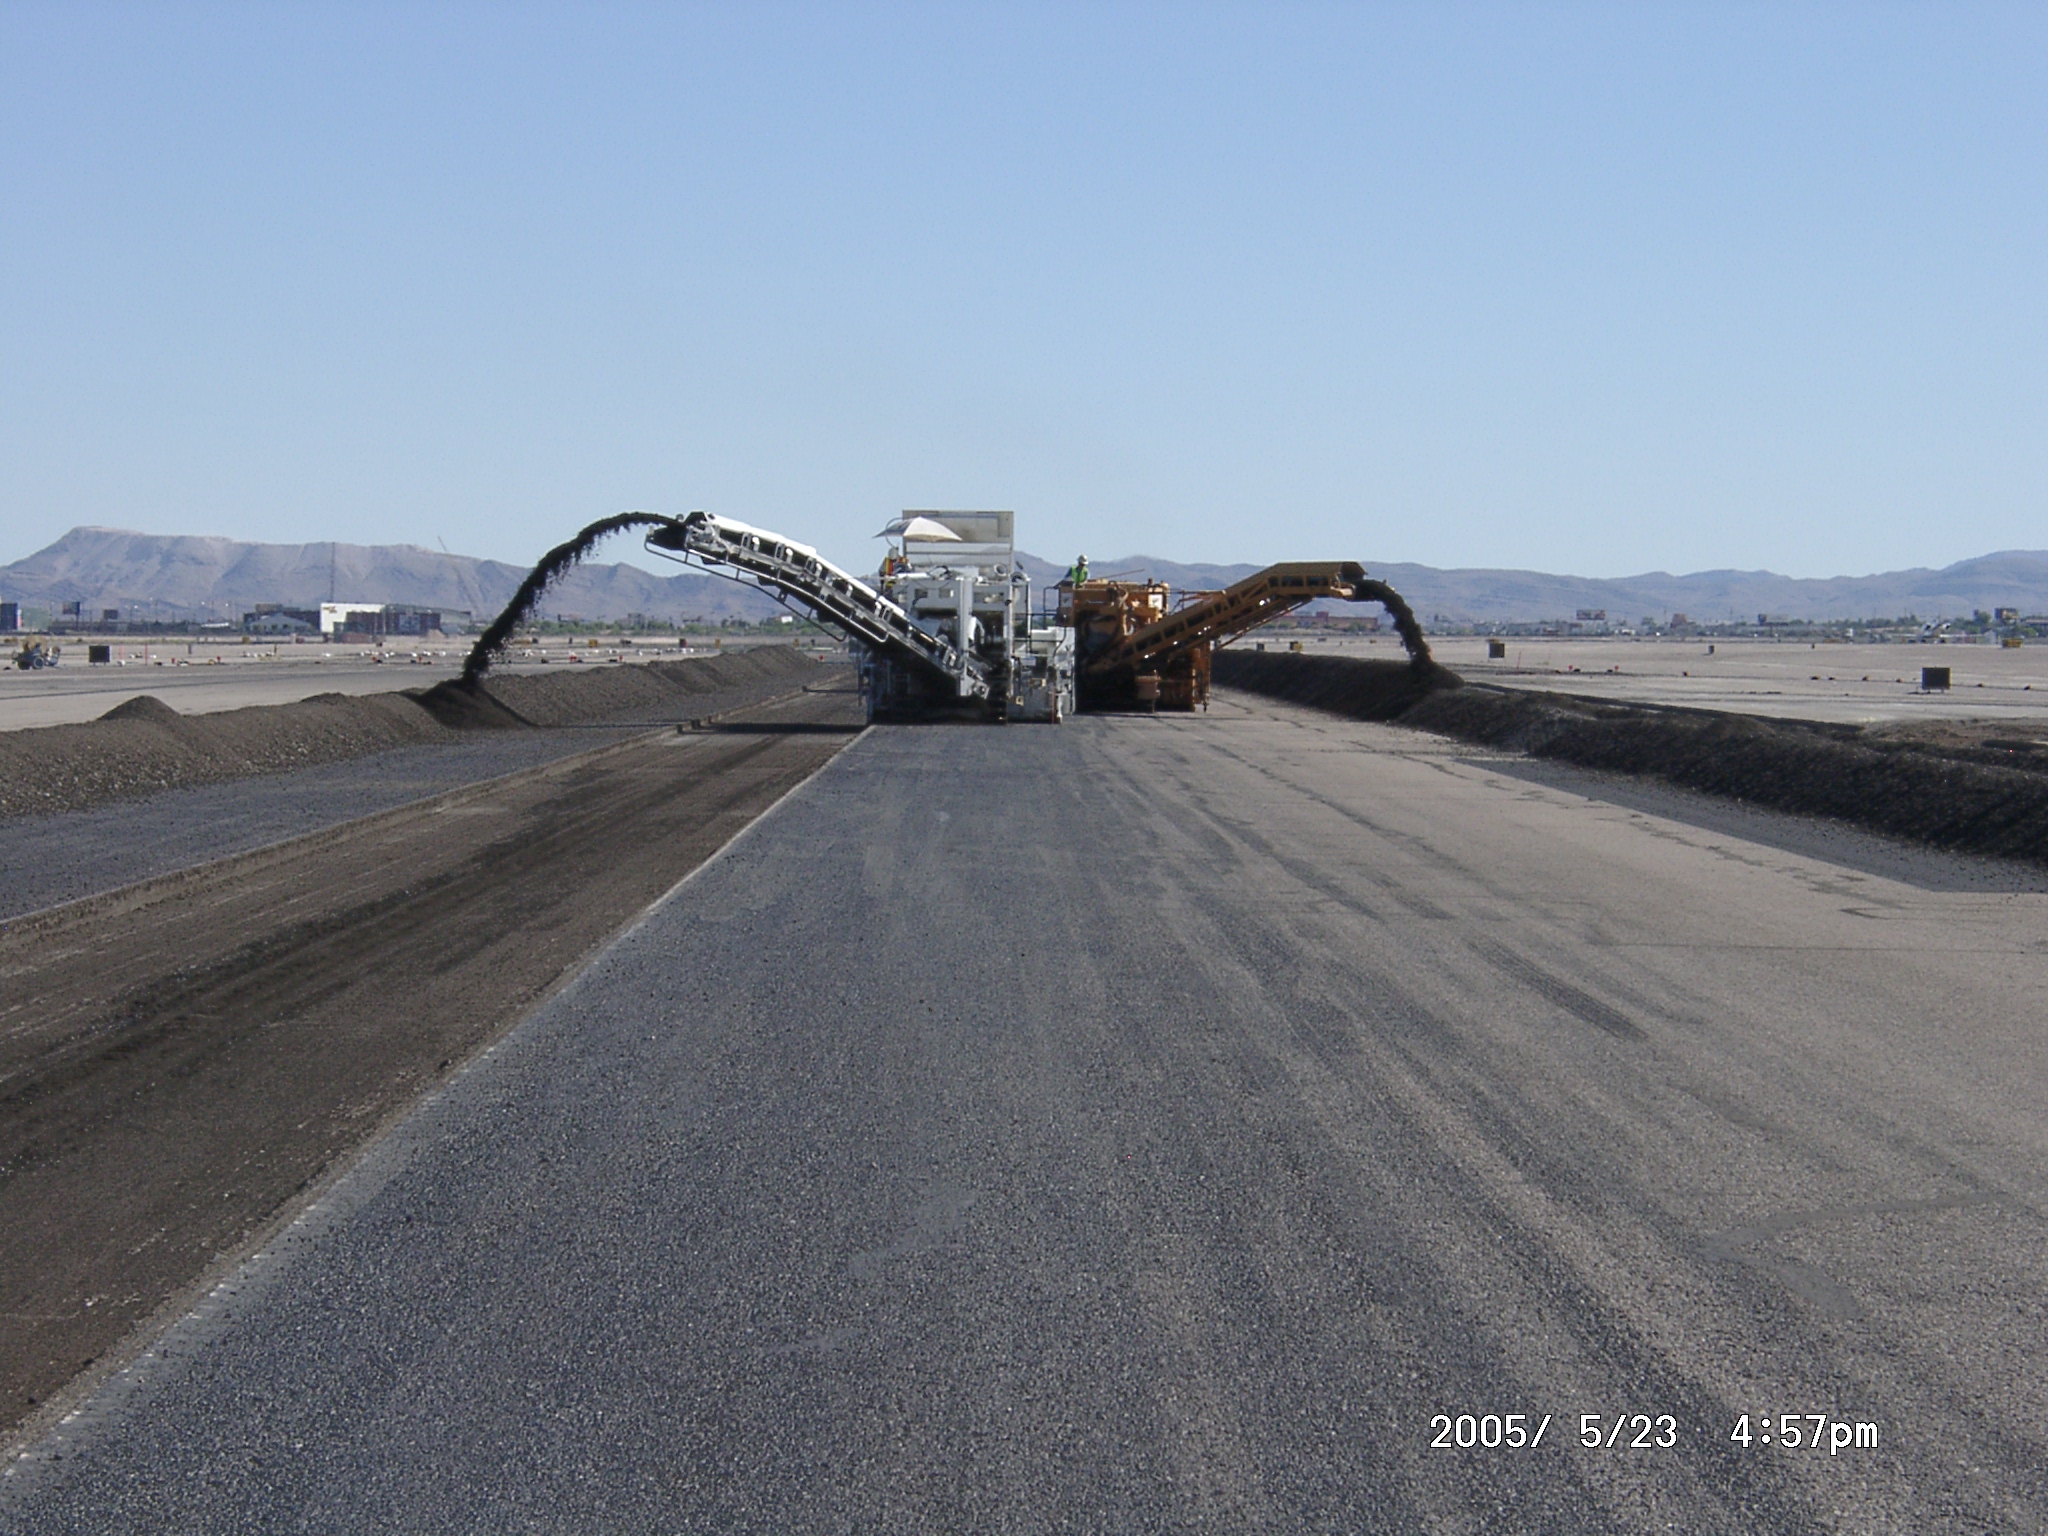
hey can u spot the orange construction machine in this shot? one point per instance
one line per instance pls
(1133, 651)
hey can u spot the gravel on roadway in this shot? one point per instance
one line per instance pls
(1168, 1124)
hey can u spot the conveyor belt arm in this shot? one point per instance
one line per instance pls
(1250, 603)
(787, 570)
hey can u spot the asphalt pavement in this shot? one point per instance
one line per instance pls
(1256, 1121)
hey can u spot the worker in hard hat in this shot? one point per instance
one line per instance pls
(1079, 573)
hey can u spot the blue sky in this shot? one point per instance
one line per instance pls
(1598, 289)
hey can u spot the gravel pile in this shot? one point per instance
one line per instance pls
(657, 690)
(1961, 788)
(74, 853)
(144, 746)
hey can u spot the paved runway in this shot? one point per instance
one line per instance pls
(1155, 1124)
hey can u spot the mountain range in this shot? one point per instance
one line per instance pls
(184, 576)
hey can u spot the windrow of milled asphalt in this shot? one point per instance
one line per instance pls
(64, 856)
(116, 837)
(142, 747)
(1982, 797)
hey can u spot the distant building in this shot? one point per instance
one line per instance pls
(339, 618)
(276, 619)
(10, 618)
(378, 620)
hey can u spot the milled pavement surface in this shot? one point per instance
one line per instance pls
(1157, 1124)
(66, 855)
(71, 854)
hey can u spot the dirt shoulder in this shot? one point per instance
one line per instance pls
(182, 1060)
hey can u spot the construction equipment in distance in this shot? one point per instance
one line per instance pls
(1137, 653)
(949, 628)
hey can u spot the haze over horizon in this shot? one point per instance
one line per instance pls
(214, 577)
(625, 550)
(1578, 289)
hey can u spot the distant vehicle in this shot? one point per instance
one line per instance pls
(36, 655)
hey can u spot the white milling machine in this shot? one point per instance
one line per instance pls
(951, 623)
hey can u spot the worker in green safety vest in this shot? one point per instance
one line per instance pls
(1079, 573)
